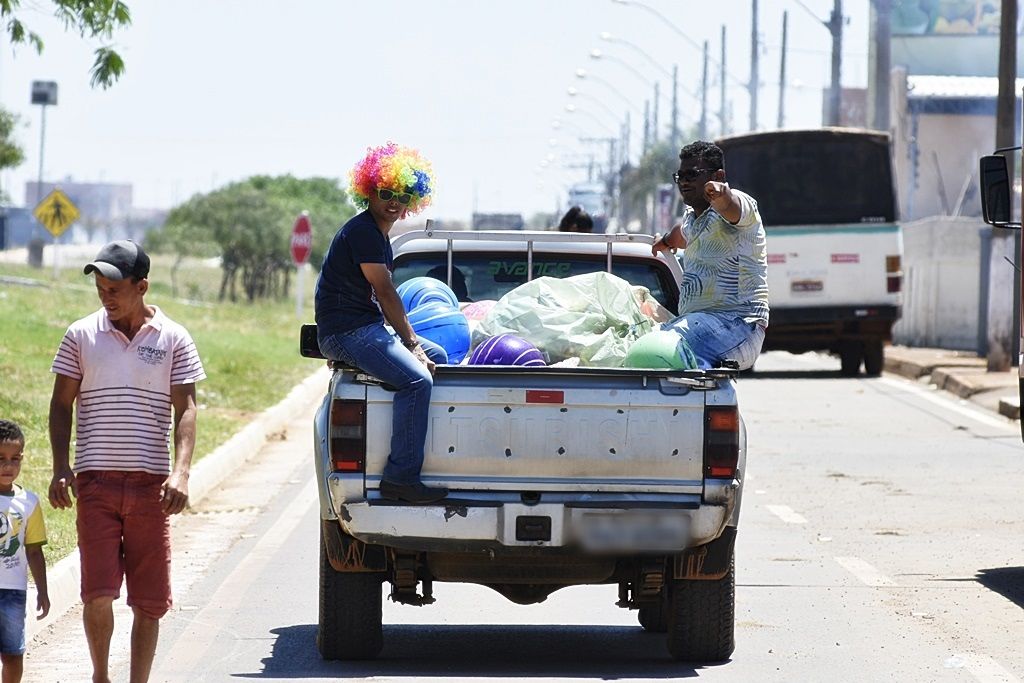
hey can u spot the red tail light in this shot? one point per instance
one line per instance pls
(721, 441)
(893, 274)
(348, 435)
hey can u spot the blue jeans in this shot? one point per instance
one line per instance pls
(714, 337)
(12, 621)
(377, 352)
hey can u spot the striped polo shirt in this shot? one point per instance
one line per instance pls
(124, 407)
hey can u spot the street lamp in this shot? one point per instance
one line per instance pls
(585, 75)
(44, 93)
(608, 37)
(573, 92)
(679, 31)
(597, 54)
(573, 109)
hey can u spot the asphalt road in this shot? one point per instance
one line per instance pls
(882, 538)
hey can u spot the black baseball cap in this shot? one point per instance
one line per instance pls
(119, 260)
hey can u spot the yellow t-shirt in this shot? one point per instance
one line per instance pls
(21, 524)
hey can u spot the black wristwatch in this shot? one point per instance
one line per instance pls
(411, 344)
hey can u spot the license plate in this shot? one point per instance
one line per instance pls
(806, 286)
(604, 532)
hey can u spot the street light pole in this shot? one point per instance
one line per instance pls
(44, 93)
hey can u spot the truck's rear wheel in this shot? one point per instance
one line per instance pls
(350, 613)
(850, 353)
(701, 619)
(874, 357)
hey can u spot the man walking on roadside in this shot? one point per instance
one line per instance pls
(126, 370)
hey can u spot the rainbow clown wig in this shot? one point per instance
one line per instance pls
(396, 168)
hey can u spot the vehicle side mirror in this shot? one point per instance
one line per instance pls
(995, 191)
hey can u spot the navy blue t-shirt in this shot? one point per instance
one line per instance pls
(344, 297)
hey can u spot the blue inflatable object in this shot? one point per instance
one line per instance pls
(506, 349)
(424, 290)
(445, 326)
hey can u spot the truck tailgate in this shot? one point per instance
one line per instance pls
(631, 431)
(834, 265)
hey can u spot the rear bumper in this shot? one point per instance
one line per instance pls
(628, 525)
(822, 328)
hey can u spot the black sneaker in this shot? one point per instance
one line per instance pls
(417, 493)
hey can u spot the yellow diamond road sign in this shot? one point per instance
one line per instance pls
(56, 212)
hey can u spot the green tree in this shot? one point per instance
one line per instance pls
(91, 19)
(248, 225)
(639, 182)
(11, 154)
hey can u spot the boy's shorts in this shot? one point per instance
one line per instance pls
(12, 621)
(124, 534)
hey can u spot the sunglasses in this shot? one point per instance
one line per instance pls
(689, 174)
(400, 197)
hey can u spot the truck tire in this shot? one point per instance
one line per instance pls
(874, 357)
(850, 354)
(654, 617)
(701, 619)
(351, 617)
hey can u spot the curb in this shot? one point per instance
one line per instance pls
(1010, 407)
(64, 578)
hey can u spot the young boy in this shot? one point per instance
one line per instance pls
(22, 535)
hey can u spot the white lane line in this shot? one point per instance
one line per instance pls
(210, 623)
(867, 574)
(786, 514)
(949, 404)
(984, 669)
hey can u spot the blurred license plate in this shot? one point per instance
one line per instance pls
(604, 532)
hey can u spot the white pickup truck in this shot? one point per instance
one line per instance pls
(558, 476)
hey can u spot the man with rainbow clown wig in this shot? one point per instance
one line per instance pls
(355, 296)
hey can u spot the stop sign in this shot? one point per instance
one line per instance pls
(302, 239)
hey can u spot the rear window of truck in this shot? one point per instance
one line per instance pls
(481, 276)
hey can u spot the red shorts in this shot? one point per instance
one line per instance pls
(123, 534)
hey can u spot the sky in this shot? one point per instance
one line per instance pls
(218, 90)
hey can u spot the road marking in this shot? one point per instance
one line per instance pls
(985, 669)
(214, 619)
(786, 514)
(949, 404)
(867, 574)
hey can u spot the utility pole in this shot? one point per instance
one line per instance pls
(675, 107)
(654, 121)
(752, 86)
(703, 133)
(722, 114)
(626, 140)
(647, 125)
(1002, 294)
(835, 26)
(782, 73)
(882, 42)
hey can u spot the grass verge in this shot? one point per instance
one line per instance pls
(249, 351)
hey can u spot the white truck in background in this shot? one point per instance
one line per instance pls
(558, 476)
(592, 198)
(827, 198)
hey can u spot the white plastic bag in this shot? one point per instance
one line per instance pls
(595, 317)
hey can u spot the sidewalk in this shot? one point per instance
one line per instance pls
(959, 372)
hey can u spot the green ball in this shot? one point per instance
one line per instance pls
(657, 349)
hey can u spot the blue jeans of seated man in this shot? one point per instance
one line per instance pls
(714, 337)
(377, 352)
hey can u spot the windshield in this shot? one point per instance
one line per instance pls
(493, 275)
(816, 177)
